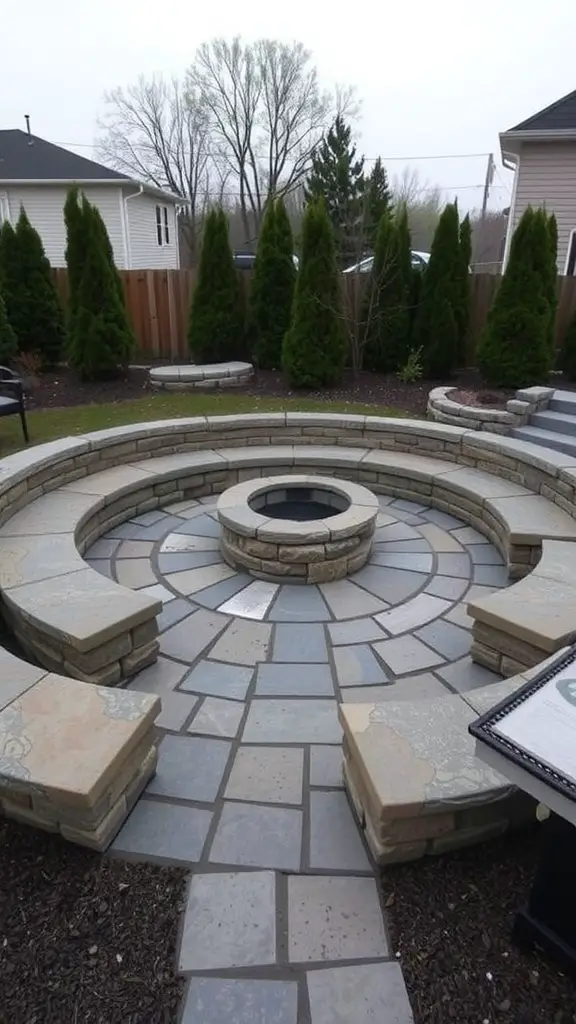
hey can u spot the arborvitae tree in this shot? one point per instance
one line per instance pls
(32, 301)
(314, 349)
(338, 178)
(376, 202)
(462, 309)
(75, 247)
(102, 232)
(568, 353)
(440, 287)
(8, 340)
(101, 341)
(514, 349)
(272, 287)
(216, 326)
(387, 304)
(552, 279)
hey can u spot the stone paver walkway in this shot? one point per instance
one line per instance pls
(283, 923)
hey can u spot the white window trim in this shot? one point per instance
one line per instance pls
(571, 238)
(4, 207)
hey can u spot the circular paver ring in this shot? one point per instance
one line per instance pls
(209, 375)
(311, 550)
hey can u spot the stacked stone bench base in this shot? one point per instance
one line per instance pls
(75, 756)
(208, 376)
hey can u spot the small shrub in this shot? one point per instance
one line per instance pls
(29, 366)
(412, 369)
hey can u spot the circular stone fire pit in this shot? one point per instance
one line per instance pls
(307, 529)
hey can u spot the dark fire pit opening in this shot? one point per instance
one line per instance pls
(301, 504)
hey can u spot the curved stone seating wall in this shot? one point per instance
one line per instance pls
(67, 493)
(190, 377)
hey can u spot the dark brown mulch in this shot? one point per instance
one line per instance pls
(450, 919)
(85, 939)
(487, 399)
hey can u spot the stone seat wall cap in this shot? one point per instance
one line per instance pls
(166, 467)
(481, 486)
(110, 484)
(82, 609)
(423, 428)
(56, 716)
(137, 431)
(530, 518)
(56, 512)
(330, 455)
(326, 419)
(547, 459)
(438, 393)
(534, 393)
(245, 421)
(536, 609)
(256, 455)
(417, 467)
(432, 765)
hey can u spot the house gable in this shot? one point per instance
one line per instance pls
(559, 116)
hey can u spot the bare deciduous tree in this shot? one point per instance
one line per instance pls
(158, 133)
(266, 111)
(423, 202)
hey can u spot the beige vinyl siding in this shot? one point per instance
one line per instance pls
(44, 205)
(145, 253)
(547, 177)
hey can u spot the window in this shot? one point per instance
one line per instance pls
(162, 231)
(4, 211)
(571, 257)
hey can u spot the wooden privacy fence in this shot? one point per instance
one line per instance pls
(158, 303)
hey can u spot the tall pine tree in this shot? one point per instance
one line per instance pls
(32, 302)
(75, 247)
(514, 348)
(216, 325)
(101, 340)
(462, 308)
(314, 349)
(377, 201)
(436, 328)
(337, 176)
(272, 287)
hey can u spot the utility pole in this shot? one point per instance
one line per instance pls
(487, 183)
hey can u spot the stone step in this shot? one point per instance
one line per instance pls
(563, 401)
(547, 439)
(558, 422)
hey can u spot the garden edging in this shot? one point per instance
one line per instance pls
(444, 409)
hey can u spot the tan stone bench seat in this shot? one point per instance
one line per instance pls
(516, 628)
(73, 757)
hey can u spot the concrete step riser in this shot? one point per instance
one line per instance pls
(558, 423)
(565, 405)
(546, 439)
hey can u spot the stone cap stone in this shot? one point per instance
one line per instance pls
(66, 740)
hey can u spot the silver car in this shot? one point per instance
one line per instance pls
(419, 261)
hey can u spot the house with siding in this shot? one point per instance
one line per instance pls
(141, 220)
(542, 153)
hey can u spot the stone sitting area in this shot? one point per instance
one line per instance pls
(204, 377)
(58, 499)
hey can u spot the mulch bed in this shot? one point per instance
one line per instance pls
(85, 939)
(450, 920)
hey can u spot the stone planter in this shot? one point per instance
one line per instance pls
(498, 421)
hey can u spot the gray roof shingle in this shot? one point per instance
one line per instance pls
(559, 116)
(27, 157)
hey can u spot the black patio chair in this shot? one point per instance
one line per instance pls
(12, 398)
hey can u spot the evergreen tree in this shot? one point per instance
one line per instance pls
(8, 340)
(216, 326)
(314, 349)
(75, 247)
(568, 353)
(462, 308)
(552, 281)
(514, 349)
(338, 178)
(101, 340)
(32, 302)
(435, 330)
(387, 314)
(104, 237)
(272, 287)
(376, 201)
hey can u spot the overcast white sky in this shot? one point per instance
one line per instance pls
(439, 77)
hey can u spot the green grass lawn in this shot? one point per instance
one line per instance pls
(48, 424)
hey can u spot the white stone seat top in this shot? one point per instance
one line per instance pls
(208, 371)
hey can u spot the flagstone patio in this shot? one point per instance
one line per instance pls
(249, 788)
